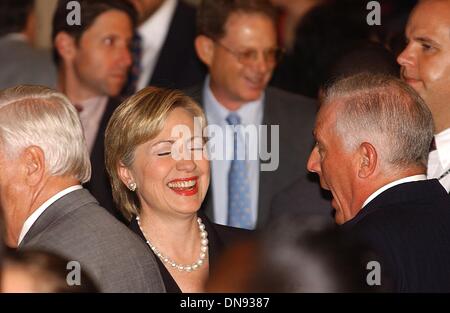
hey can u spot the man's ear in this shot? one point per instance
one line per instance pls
(368, 160)
(65, 45)
(205, 49)
(33, 159)
(125, 174)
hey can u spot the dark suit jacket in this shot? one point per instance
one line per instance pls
(295, 116)
(178, 65)
(77, 228)
(408, 226)
(219, 238)
(99, 184)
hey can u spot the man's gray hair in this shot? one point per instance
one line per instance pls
(385, 112)
(40, 116)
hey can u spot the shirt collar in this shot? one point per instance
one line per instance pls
(392, 184)
(92, 103)
(153, 31)
(35, 215)
(443, 147)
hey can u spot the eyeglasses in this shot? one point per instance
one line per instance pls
(249, 57)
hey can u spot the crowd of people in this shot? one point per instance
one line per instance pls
(232, 146)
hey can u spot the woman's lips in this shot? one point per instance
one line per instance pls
(184, 186)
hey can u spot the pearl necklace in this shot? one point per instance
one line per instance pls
(186, 268)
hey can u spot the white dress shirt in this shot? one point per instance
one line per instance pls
(153, 33)
(439, 159)
(33, 217)
(394, 183)
(251, 114)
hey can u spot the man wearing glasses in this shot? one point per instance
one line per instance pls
(237, 41)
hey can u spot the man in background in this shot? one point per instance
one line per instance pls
(237, 41)
(93, 60)
(20, 62)
(372, 136)
(164, 53)
(426, 68)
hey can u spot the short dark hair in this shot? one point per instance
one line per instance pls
(213, 14)
(90, 10)
(14, 15)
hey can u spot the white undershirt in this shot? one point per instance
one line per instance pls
(33, 217)
(153, 33)
(394, 183)
(439, 159)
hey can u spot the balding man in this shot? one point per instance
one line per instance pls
(372, 138)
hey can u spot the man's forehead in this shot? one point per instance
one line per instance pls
(326, 115)
(429, 15)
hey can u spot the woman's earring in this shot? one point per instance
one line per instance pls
(132, 186)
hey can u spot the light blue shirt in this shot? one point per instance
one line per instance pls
(251, 114)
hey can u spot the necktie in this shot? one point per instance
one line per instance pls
(239, 212)
(135, 71)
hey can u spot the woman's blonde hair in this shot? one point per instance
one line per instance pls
(137, 120)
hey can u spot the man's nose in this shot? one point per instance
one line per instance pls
(406, 57)
(125, 57)
(313, 164)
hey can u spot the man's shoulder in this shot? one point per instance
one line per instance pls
(115, 256)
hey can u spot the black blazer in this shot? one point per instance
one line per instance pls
(99, 185)
(408, 226)
(295, 116)
(219, 237)
(178, 65)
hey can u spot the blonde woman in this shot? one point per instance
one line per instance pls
(156, 160)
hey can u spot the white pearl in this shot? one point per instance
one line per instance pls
(204, 249)
(202, 255)
(204, 242)
(203, 234)
(200, 262)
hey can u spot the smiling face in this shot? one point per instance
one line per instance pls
(165, 183)
(232, 82)
(102, 57)
(426, 59)
(335, 166)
